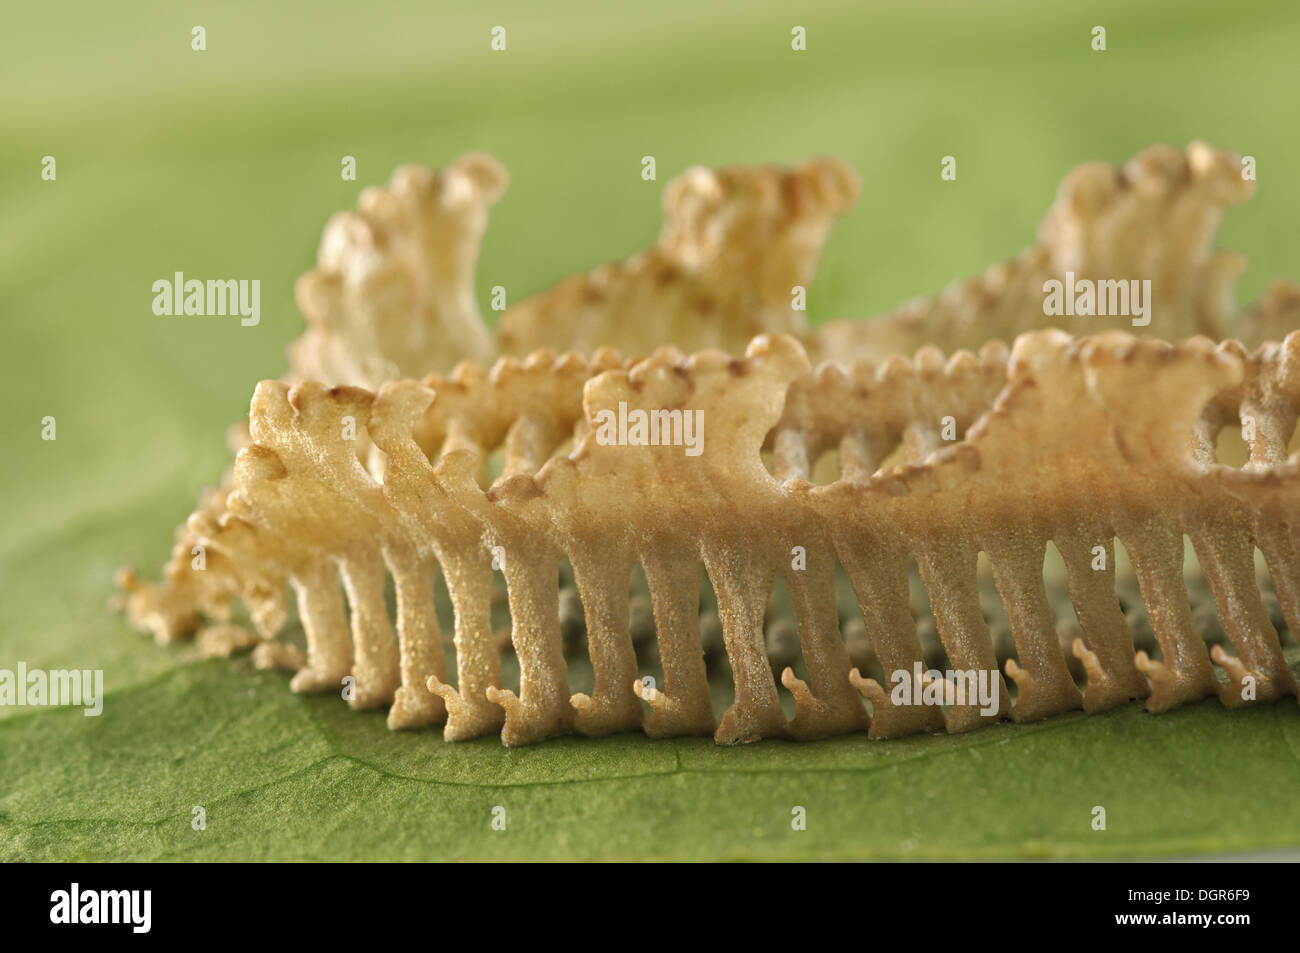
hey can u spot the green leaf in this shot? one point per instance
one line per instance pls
(226, 163)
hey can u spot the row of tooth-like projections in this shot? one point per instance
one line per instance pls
(1076, 442)
(392, 293)
(735, 245)
(1153, 217)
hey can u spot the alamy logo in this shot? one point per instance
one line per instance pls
(651, 428)
(61, 687)
(966, 687)
(215, 297)
(1087, 298)
(103, 906)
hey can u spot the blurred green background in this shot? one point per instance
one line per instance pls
(225, 163)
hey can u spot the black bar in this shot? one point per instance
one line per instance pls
(331, 902)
